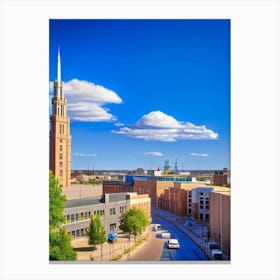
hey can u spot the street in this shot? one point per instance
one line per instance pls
(155, 248)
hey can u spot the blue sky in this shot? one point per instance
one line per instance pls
(143, 91)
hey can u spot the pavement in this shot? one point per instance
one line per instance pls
(118, 250)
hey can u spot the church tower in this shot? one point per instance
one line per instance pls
(60, 139)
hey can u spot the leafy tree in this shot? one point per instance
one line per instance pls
(60, 246)
(96, 233)
(59, 241)
(133, 221)
(56, 203)
(93, 181)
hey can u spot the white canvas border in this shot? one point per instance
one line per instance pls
(254, 143)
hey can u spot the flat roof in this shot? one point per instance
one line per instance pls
(114, 197)
(82, 202)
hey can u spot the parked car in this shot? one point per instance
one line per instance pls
(214, 250)
(173, 243)
(157, 227)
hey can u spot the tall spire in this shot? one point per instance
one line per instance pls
(58, 73)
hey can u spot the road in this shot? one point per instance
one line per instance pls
(188, 250)
(155, 248)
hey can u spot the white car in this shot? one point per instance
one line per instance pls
(173, 243)
(165, 234)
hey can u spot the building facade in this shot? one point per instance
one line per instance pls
(178, 199)
(220, 219)
(221, 177)
(60, 139)
(115, 186)
(109, 206)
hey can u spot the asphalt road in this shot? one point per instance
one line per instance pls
(155, 247)
(188, 250)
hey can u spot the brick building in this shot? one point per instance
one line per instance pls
(221, 177)
(178, 198)
(220, 218)
(116, 186)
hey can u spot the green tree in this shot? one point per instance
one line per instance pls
(56, 203)
(133, 221)
(96, 233)
(59, 241)
(60, 246)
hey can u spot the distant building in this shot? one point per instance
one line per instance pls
(177, 199)
(221, 177)
(60, 139)
(109, 206)
(220, 219)
(116, 186)
(155, 185)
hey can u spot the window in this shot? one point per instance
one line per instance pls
(72, 218)
(77, 216)
(60, 172)
(60, 164)
(60, 156)
(201, 216)
(190, 211)
(206, 217)
(201, 206)
(113, 211)
(61, 148)
(122, 209)
(113, 227)
(60, 140)
(77, 232)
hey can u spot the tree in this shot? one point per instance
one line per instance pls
(56, 203)
(133, 221)
(96, 233)
(60, 246)
(59, 241)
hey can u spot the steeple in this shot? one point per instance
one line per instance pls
(58, 73)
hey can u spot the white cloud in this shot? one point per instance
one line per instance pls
(158, 126)
(155, 154)
(199, 155)
(85, 101)
(119, 124)
(89, 112)
(84, 155)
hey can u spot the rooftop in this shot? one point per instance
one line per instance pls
(82, 202)
(113, 197)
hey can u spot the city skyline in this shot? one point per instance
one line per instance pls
(143, 91)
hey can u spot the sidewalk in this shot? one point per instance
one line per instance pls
(118, 250)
